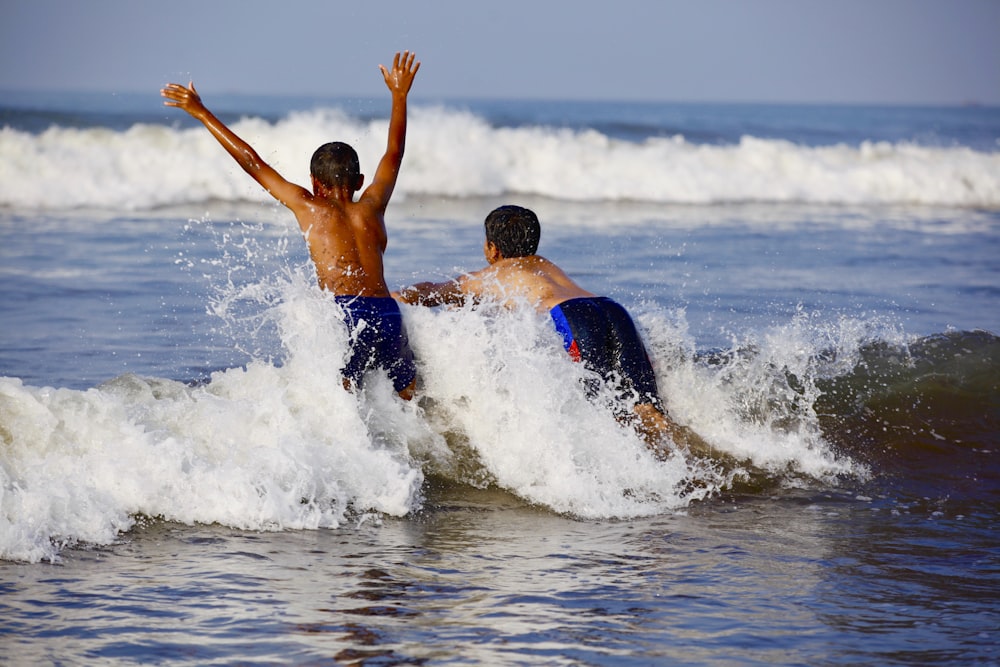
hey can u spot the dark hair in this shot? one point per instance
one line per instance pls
(335, 163)
(514, 230)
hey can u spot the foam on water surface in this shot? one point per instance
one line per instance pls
(456, 153)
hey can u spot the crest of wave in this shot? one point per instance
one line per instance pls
(501, 388)
(269, 446)
(457, 153)
(755, 401)
(460, 154)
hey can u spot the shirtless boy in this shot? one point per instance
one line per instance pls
(595, 330)
(346, 238)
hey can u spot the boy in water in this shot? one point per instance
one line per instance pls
(346, 238)
(595, 330)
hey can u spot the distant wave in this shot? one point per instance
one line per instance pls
(453, 153)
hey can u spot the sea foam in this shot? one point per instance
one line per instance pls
(456, 153)
(281, 444)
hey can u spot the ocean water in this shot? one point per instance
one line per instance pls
(183, 479)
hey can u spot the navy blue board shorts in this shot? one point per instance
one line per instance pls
(378, 340)
(599, 332)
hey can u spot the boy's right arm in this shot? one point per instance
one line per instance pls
(465, 288)
(187, 98)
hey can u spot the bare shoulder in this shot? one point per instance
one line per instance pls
(532, 269)
(476, 281)
(332, 211)
(311, 211)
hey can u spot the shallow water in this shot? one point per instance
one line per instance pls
(478, 577)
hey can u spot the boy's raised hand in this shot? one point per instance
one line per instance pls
(182, 97)
(404, 68)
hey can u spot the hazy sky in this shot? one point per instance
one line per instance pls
(881, 51)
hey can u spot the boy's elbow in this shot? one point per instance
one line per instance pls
(251, 160)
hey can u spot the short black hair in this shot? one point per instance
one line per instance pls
(514, 230)
(334, 164)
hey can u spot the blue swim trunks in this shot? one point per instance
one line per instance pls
(378, 340)
(599, 332)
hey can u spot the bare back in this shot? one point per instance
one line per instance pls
(532, 278)
(346, 240)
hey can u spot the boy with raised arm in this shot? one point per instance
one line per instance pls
(595, 330)
(346, 238)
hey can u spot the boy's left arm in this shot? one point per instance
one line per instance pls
(399, 80)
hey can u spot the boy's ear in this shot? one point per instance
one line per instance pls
(361, 181)
(492, 252)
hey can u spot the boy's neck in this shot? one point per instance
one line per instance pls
(340, 194)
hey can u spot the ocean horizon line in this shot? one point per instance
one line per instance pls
(417, 98)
